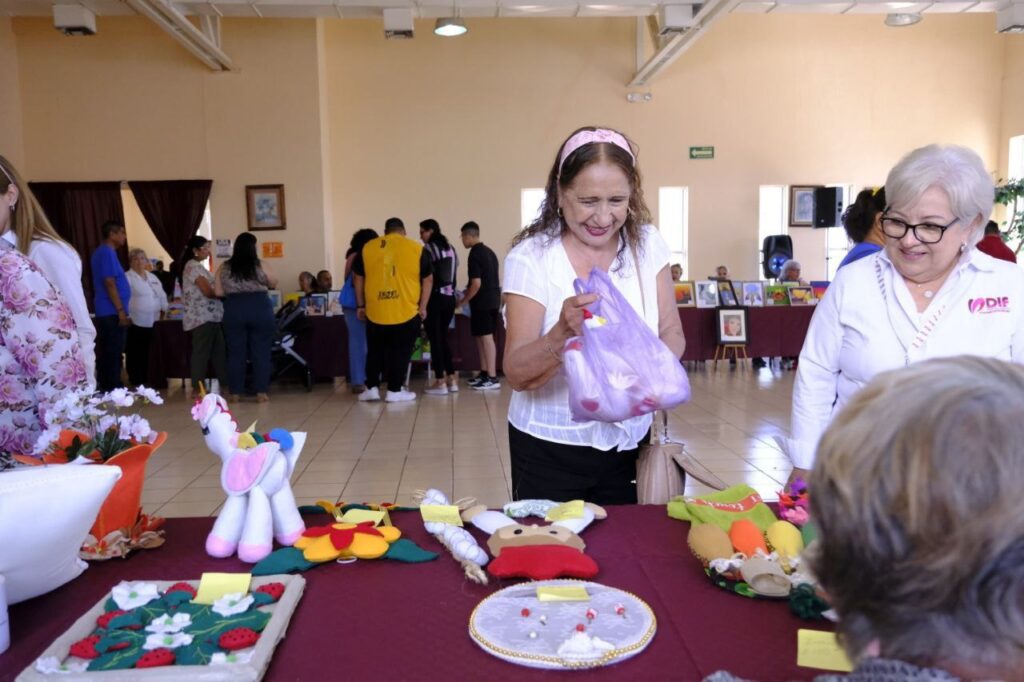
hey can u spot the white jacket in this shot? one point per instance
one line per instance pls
(859, 330)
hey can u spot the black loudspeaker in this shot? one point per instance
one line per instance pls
(777, 249)
(828, 206)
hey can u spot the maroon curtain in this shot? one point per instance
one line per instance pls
(174, 209)
(77, 211)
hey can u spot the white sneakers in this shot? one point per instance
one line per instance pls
(398, 396)
(369, 395)
(440, 389)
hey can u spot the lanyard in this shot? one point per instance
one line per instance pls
(926, 329)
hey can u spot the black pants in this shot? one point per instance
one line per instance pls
(249, 329)
(388, 349)
(208, 347)
(440, 310)
(110, 346)
(553, 471)
(136, 354)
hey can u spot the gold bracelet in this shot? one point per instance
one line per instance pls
(556, 356)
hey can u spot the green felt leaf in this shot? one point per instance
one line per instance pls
(110, 605)
(126, 620)
(744, 589)
(284, 560)
(261, 599)
(408, 551)
(211, 628)
(311, 509)
(115, 637)
(199, 652)
(116, 660)
(177, 598)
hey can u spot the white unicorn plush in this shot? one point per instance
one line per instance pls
(260, 502)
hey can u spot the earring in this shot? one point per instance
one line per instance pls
(963, 246)
(559, 211)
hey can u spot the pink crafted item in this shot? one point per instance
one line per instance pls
(618, 368)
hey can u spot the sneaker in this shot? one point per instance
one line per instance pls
(475, 381)
(399, 396)
(439, 389)
(358, 389)
(369, 395)
(453, 387)
(488, 384)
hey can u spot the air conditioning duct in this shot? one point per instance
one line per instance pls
(74, 20)
(398, 24)
(675, 19)
(1010, 19)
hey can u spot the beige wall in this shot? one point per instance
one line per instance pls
(10, 98)
(1013, 97)
(131, 104)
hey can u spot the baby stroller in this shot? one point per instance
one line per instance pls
(291, 322)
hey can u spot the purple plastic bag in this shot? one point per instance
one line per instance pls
(620, 369)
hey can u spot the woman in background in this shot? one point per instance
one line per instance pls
(147, 304)
(25, 226)
(356, 327)
(203, 314)
(441, 307)
(862, 221)
(249, 324)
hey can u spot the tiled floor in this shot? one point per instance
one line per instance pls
(376, 452)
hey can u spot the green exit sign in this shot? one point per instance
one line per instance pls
(702, 152)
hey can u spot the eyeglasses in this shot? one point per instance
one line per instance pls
(926, 233)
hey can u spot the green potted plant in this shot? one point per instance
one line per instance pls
(1011, 195)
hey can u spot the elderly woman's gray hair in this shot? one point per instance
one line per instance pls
(918, 495)
(791, 264)
(958, 171)
(136, 253)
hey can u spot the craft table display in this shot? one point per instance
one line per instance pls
(774, 331)
(384, 619)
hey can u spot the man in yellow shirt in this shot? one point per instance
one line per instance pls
(392, 281)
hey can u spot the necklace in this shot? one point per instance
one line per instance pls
(927, 293)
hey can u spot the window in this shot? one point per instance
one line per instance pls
(837, 244)
(673, 219)
(530, 200)
(773, 218)
(1015, 170)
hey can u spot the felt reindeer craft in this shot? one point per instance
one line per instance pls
(537, 552)
(255, 475)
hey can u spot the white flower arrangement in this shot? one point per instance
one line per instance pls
(232, 657)
(230, 604)
(129, 595)
(167, 624)
(50, 665)
(97, 417)
(167, 640)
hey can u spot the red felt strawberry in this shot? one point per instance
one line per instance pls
(239, 638)
(104, 620)
(85, 648)
(275, 590)
(182, 587)
(154, 658)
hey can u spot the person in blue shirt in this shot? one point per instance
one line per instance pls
(862, 222)
(110, 303)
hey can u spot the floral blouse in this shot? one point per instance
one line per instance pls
(198, 308)
(40, 357)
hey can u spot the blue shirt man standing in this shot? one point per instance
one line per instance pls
(112, 293)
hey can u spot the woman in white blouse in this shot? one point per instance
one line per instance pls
(26, 227)
(929, 293)
(145, 307)
(593, 215)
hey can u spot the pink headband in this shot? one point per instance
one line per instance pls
(585, 137)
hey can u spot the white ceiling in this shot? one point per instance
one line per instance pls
(431, 9)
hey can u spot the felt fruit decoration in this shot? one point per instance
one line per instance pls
(85, 648)
(275, 590)
(239, 638)
(809, 533)
(346, 540)
(708, 542)
(182, 587)
(785, 539)
(154, 658)
(747, 538)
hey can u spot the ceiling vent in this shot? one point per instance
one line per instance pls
(1010, 19)
(398, 24)
(74, 20)
(675, 19)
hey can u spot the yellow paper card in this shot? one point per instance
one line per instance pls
(560, 593)
(441, 513)
(819, 649)
(569, 510)
(363, 515)
(213, 586)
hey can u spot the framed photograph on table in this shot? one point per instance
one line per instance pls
(265, 206)
(707, 294)
(726, 294)
(316, 304)
(776, 294)
(732, 326)
(801, 296)
(801, 205)
(684, 294)
(752, 294)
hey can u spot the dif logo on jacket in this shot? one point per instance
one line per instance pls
(984, 306)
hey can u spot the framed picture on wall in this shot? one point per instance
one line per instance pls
(726, 294)
(707, 294)
(753, 294)
(801, 205)
(265, 205)
(732, 326)
(684, 294)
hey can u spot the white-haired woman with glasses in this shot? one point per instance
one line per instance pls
(929, 293)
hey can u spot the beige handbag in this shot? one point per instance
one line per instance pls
(663, 466)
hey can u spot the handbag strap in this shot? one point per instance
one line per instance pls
(639, 279)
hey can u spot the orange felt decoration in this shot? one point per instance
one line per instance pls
(747, 537)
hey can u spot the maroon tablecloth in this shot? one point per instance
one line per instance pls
(387, 620)
(773, 331)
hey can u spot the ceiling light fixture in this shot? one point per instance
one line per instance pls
(899, 19)
(450, 27)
